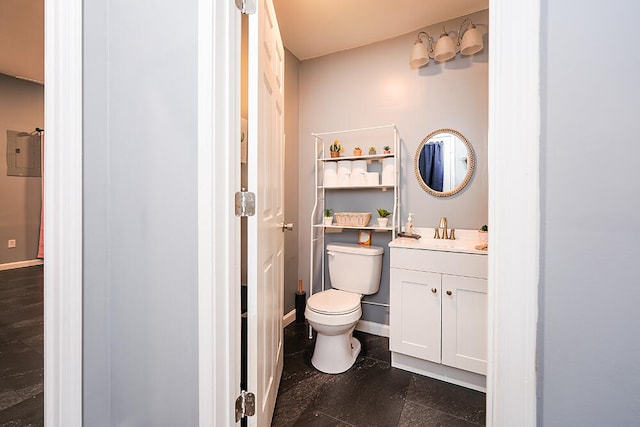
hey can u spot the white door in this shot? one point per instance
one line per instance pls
(415, 313)
(464, 323)
(265, 239)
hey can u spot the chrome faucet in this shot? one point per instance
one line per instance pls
(441, 232)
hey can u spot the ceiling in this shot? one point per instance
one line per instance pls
(312, 28)
(22, 38)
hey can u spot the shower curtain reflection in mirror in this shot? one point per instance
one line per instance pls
(430, 165)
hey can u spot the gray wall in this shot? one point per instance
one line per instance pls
(374, 85)
(588, 348)
(140, 214)
(21, 109)
(291, 100)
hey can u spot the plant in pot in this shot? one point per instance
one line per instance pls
(383, 217)
(335, 148)
(328, 217)
(357, 151)
(483, 234)
(387, 149)
(372, 151)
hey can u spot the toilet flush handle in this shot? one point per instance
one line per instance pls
(331, 253)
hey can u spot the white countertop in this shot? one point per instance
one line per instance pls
(465, 242)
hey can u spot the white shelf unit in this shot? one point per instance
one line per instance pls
(318, 229)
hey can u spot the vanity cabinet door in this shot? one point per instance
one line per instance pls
(464, 323)
(415, 327)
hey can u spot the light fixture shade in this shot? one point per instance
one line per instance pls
(471, 42)
(419, 55)
(445, 49)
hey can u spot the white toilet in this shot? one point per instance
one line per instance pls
(354, 271)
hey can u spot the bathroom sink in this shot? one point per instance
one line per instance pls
(465, 242)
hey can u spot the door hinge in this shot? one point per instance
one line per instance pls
(245, 203)
(246, 6)
(245, 405)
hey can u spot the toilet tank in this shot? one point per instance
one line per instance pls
(355, 268)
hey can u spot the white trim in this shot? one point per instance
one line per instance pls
(218, 228)
(439, 371)
(514, 211)
(373, 328)
(20, 264)
(63, 214)
(288, 318)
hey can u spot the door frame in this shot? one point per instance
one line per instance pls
(218, 179)
(514, 211)
(63, 213)
(514, 135)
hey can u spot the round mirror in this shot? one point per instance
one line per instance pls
(444, 162)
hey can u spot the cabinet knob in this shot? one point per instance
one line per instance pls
(434, 290)
(449, 292)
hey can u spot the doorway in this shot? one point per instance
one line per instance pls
(522, 310)
(63, 351)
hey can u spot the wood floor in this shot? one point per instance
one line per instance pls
(21, 347)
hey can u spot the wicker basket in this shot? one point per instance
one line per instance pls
(353, 219)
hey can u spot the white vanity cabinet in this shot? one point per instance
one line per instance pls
(415, 307)
(438, 314)
(464, 323)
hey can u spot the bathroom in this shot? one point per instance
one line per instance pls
(374, 85)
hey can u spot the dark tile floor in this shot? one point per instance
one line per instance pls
(21, 347)
(370, 394)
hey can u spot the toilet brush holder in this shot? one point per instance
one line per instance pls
(301, 302)
(301, 305)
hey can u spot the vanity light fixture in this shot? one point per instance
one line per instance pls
(469, 42)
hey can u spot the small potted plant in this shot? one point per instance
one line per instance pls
(483, 234)
(328, 217)
(387, 149)
(383, 217)
(357, 151)
(372, 151)
(335, 148)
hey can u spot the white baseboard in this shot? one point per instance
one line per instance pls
(289, 318)
(440, 372)
(373, 328)
(21, 264)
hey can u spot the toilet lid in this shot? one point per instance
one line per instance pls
(334, 301)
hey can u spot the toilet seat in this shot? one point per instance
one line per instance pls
(334, 302)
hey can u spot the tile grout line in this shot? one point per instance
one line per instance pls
(442, 412)
(334, 418)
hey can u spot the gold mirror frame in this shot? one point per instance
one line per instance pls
(470, 163)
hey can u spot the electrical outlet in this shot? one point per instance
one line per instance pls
(11, 243)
